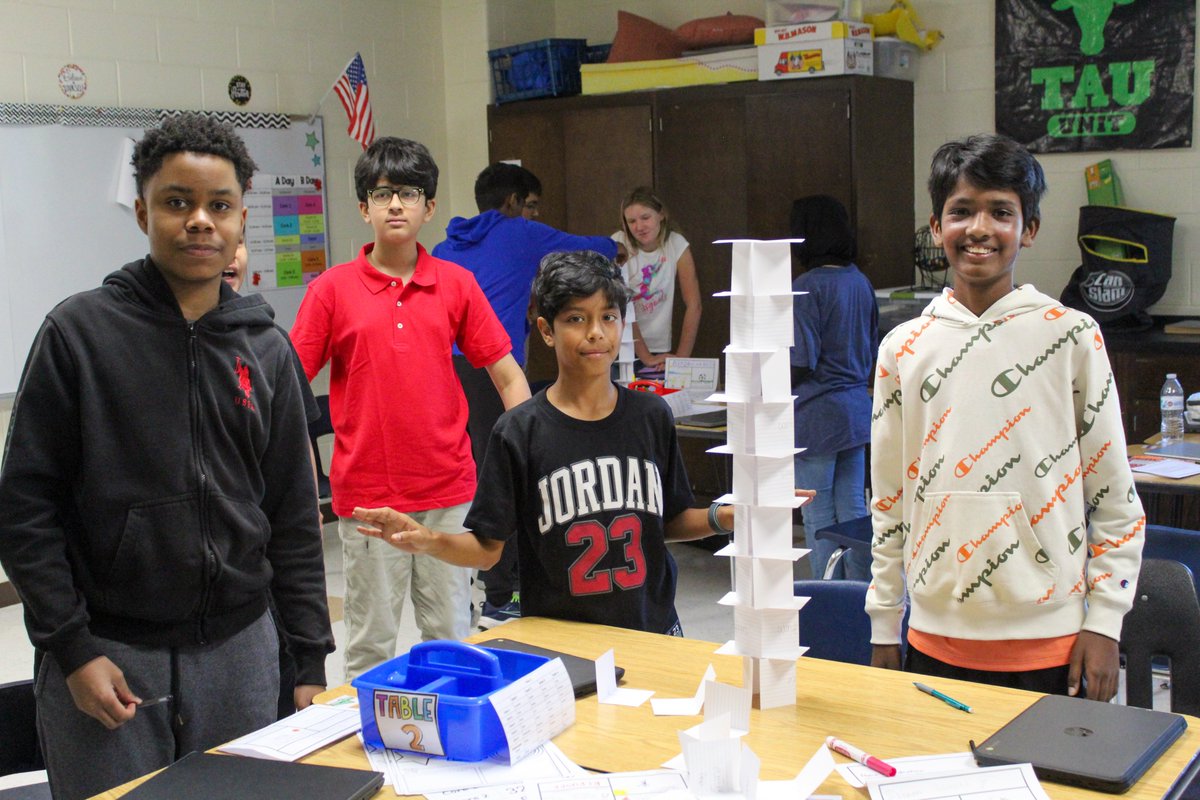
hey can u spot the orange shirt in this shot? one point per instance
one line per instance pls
(999, 655)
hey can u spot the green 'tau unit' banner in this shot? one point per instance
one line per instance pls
(1078, 75)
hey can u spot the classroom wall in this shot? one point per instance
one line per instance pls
(953, 98)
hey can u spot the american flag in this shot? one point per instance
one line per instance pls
(351, 89)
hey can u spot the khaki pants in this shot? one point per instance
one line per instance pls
(378, 576)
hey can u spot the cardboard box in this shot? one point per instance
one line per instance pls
(814, 31)
(726, 66)
(815, 59)
(1103, 186)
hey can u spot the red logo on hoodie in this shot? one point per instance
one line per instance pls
(243, 376)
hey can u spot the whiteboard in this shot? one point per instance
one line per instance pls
(62, 230)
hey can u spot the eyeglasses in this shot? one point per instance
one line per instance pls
(382, 195)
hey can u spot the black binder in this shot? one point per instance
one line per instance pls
(200, 776)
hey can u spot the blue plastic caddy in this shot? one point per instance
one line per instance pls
(433, 699)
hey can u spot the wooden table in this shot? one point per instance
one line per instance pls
(1168, 501)
(877, 710)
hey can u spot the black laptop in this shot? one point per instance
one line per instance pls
(1100, 746)
(581, 671)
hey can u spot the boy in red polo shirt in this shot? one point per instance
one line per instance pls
(387, 321)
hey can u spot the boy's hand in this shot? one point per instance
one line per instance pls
(1096, 658)
(99, 690)
(885, 656)
(304, 693)
(397, 529)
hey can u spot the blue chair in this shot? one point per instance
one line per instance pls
(1163, 623)
(833, 624)
(1176, 544)
(854, 535)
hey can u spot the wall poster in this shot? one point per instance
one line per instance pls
(1079, 75)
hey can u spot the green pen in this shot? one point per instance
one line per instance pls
(945, 698)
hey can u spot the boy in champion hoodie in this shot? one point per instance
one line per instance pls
(1003, 504)
(157, 491)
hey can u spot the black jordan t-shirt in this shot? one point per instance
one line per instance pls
(588, 501)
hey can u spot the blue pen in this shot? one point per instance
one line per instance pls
(945, 698)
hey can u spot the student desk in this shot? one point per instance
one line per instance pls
(877, 710)
(1168, 501)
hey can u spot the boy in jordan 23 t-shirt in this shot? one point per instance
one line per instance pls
(587, 474)
(1003, 501)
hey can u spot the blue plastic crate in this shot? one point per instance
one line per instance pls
(434, 699)
(545, 68)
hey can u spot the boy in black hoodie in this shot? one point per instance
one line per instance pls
(157, 489)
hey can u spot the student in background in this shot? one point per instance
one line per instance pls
(531, 208)
(1003, 504)
(658, 257)
(156, 491)
(836, 332)
(502, 248)
(588, 473)
(235, 273)
(387, 322)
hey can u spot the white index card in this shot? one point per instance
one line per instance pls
(761, 428)
(764, 481)
(607, 691)
(765, 583)
(758, 374)
(767, 632)
(761, 266)
(727, 700)
(767, 531)
(805, 784)
(773, 680)
(710, 753)
(683, 706)
(761, 322)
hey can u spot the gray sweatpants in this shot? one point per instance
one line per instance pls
(222, 691)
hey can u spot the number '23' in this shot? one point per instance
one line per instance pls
(585, 577)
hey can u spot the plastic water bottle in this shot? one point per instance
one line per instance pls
(1170, 402)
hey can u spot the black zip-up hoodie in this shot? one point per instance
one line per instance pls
(156, 480)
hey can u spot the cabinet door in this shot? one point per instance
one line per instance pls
(608, 152)
(534, 138)
(797, 144)
(700, 165)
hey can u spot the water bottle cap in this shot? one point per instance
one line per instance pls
(1170, 376)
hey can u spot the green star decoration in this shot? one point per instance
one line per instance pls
(316, 160)
(311, 141)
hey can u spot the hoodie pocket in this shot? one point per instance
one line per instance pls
(978, 547)
(158, 570)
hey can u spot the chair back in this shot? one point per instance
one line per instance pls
(1176, 544)
(317, 429)
(19, 751)
(833, 624)
(1163, 623)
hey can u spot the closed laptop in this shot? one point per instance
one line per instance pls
(1100, 746)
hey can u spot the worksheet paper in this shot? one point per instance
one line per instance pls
(300, 734)
(859, 776)
(1164, 467)
(683, 706)
(535, 708)
(1011, 782)
(646, 785)
(697, 375)
(410, 773)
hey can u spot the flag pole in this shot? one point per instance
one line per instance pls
(325, 96)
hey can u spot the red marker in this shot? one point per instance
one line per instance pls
(850, 751)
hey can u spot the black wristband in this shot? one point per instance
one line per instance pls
(713, 523)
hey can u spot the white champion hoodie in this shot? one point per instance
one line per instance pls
(1002, 497)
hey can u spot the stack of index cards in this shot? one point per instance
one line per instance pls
(761, 441)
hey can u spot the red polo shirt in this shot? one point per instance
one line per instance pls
(398, 410)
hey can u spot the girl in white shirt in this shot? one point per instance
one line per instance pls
(658, 256)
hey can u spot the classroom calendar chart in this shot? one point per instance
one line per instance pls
(285, 230)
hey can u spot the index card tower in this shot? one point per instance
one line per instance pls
(758, 395)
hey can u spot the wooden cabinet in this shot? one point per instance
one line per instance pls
(1140, 364)
(728, 160)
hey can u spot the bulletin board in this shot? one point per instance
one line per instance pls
(64, 223)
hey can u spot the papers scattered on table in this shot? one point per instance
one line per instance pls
(698, 376)
(655, 784)
(859, 776)
(683, 706)
(608, 692)
(1012, 782)
(1164, 467)
(300, 734)
(409, 773)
